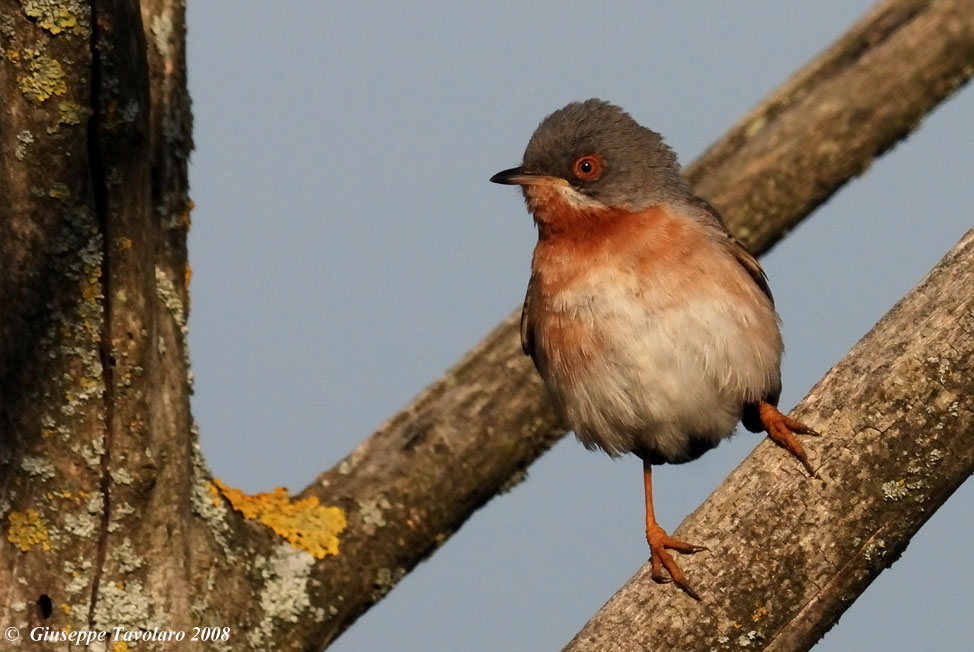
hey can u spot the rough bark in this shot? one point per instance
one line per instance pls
(108, 516)
(99, 475)
(788, 554)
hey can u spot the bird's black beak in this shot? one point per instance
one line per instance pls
(516, 177)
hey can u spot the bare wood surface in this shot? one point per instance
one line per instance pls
(108, 515)
(788, 554)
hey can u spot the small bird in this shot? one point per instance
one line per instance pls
(652, 326)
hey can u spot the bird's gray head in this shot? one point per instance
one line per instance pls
(603, 154)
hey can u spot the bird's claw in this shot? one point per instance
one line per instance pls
(781, 430)
(659, 542)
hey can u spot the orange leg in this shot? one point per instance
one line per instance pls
(659, 541)
(781, 430)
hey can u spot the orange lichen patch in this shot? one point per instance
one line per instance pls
(305, 523)
(187, 275)
(66, 608)
(759, 614)
(121, 646)
(215, 493)
(91, 289)
(124, 243)
(184, 217)
(27, 529)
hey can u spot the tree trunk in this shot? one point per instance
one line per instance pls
(108, 515)
(788, 553)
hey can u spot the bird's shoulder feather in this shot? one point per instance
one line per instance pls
(736, 247)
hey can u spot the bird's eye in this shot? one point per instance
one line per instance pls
(588, 167)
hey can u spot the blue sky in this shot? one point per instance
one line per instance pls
(347, 248)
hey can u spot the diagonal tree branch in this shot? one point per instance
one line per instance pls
(789, 554)
(827, 123)
(476, 429)
(108, 516)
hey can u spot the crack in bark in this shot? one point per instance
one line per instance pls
(100, 196)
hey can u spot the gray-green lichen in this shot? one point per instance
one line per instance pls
(81, 525)
(8, 29)
(125, 556)
(119, 512)
(130, 111)
(24, 139)
(125, 604)
(167, 293)
(79, 571)
(385, 580)
(894, 490)
(371, 512)
(85, 523)
(90, 454)
(745, 640)
(121, 475)
(513, 480)
(213, 512)
(875, 550)
(76, 336)
(37, 467)
(284, 595)
(162, 30)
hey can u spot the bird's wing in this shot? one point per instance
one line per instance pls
(750, 265)
(740, 252)
(527, 331)
(750, 412)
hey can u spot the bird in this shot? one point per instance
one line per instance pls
(652, 326)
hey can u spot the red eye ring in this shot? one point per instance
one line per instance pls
(588, 167)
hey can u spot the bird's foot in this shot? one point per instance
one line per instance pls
(781, 430)
(659, 542)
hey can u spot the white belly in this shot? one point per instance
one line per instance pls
(663, 376)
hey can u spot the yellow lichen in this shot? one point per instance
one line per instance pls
(56, 17)
(59, 191)
(46, 80)
(91, 289)
(125, 243)
(27, 529)
(72, 113)
(187, 275)
(121, 646)
(12, 56)
(305, 523)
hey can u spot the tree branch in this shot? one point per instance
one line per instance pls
(788, 554)
(108, 516)
(475, 430)
(827, 124)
